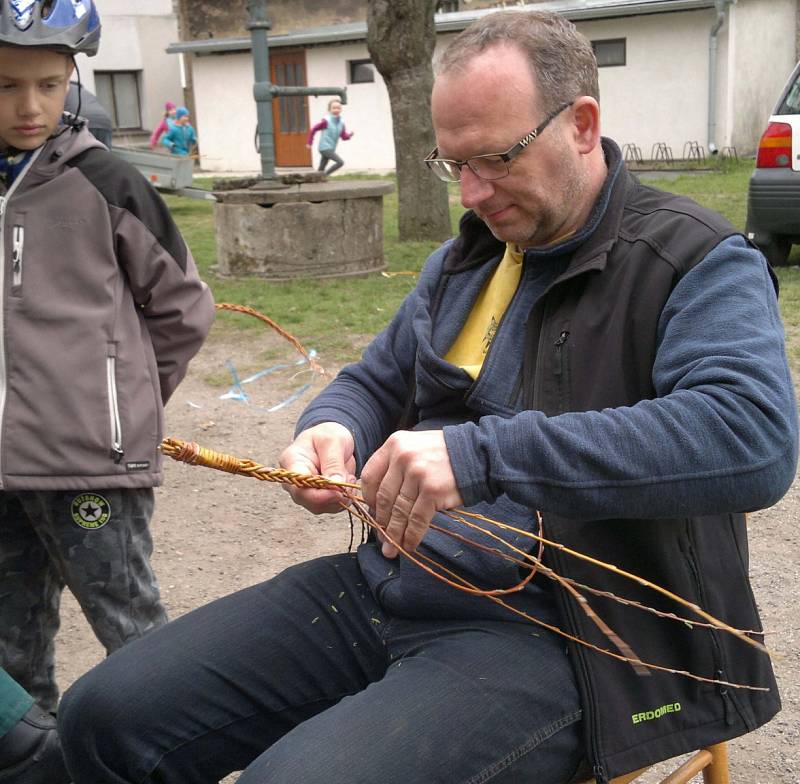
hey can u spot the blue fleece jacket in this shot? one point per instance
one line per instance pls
(721, 435)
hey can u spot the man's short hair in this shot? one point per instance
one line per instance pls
(562, 60)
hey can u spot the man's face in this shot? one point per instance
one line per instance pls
(33, 87)
(487, 108)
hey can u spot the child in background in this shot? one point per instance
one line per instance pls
(103, 309)
(164, 125)
(333, 129)
(181, 138)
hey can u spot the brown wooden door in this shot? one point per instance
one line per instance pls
(290, 113)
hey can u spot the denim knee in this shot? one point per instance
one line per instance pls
(92, 718)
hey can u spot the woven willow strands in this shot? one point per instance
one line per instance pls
(193, 454)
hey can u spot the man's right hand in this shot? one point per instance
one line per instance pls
(325, 449)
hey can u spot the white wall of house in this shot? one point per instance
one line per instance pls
(661, 93)
(134, 38)
(226, 112)
(761, 55)
(659, 96)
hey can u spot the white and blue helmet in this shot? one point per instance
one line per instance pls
(69, 25)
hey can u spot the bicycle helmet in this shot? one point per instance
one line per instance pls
(72, 26)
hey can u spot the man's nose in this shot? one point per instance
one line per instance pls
(474, 190)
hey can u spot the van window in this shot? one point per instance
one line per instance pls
(791, 103)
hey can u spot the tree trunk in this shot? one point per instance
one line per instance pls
(401, 38)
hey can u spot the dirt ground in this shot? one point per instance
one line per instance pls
(215, 533)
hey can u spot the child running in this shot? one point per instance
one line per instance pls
(332, 128)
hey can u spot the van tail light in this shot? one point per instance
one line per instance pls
(775, 147)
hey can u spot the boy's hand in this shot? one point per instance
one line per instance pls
(325, 449)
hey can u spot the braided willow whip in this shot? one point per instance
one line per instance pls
(313, 364)
(192, 453)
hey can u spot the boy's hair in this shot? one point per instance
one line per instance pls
(332, 102)
(561, 59)
(68, 26)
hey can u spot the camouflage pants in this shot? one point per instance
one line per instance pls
(98, 544)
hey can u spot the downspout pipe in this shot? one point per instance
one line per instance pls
(722, 7)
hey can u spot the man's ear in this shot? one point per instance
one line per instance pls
(586, 123)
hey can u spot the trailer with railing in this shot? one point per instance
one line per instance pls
(166, 172)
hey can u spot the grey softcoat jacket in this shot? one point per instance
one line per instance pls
(102, 309)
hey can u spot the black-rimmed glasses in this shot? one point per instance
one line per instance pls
(493, 166)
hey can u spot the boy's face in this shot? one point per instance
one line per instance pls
(33, 87)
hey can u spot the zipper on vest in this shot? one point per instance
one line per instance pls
(727, 703)
(17, 245)
(113, 405)
(559, 346)
(561, 372)
(578, 656)
(729, 709)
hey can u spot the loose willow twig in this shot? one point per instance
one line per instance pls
(313, 364)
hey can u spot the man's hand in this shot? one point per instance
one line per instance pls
(406, 482)
(325, 449)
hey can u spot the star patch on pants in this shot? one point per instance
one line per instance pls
(90, 511)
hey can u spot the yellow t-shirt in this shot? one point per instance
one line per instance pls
(476, 336)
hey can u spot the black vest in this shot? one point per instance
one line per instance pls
(591, 343)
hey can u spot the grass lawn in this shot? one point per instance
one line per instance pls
(334, 316)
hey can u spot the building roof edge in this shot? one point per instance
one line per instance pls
(575, 10)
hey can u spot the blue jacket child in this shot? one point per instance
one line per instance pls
(181, 138)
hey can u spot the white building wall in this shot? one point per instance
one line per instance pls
(226, 112)
(659, 95)
(762, 55)
(134, 37)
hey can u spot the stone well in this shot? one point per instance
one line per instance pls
(310, 229)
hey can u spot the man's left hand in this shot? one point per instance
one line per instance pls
(406, 482)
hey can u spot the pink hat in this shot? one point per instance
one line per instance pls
(169, 105)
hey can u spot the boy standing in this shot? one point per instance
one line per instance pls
(102, 309)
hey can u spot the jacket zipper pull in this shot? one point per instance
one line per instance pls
(16, 254)
(559, 346)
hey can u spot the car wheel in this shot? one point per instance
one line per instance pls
(775, 248)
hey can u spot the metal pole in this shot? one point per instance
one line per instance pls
(258, 26)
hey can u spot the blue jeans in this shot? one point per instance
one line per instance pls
(304, 679)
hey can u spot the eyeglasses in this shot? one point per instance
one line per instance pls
(493, 166)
